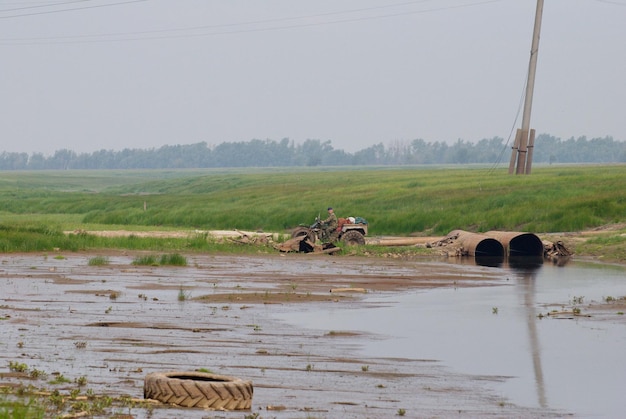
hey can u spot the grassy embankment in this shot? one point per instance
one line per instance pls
(35, 207)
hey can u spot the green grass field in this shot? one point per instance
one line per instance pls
(396, 201)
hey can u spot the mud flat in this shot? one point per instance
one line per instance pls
(111, 325)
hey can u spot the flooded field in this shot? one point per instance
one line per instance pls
(324, 336)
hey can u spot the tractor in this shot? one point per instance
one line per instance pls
(350, 234)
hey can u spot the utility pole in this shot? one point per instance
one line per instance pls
(525, 138)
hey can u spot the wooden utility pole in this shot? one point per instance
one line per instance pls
(520, 153)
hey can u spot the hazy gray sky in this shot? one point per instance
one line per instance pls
(113, 74)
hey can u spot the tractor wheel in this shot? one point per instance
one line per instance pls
(353, 238)
(303, 231)
(199, 389)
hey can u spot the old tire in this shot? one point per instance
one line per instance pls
(198, 389)
(303, 231)
(353, 238)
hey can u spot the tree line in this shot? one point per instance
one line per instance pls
(285, 153)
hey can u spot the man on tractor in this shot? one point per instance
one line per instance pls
(329, 225)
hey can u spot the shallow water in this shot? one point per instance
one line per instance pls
(509, 364)
(572, 364)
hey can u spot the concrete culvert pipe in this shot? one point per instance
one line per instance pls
(518, 243)
(199, 389)
(479, 244)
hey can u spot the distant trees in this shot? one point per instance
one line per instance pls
(285, 153)
(579, 150)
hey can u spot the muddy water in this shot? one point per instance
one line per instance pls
(425, 338)
(570, 363)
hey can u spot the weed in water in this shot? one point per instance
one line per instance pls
(401, 412)
(98, 261)
(108, 310)
(309, 367)
(17, 366)
(80, 345)
(114, 295)
(183, 295)
(35, 374)
(494, 310)
(60, 379)
(146, 260)
(102, 403)
(152, 260)
(174, 260)
(10, 409)
(205, 370)
(56, 399)
(365, 368)
(126, 400)
(74, 393)
(81, 406)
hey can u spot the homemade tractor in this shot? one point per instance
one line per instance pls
(349, 234)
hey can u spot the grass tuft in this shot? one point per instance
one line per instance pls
(163, 260)
(98, 261)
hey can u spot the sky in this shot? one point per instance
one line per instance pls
(90, 75)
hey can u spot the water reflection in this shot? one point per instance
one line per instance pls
(517, 263)
(561, 260)
(552, 363)
(526, 269)
(525, 264)
(489, 261)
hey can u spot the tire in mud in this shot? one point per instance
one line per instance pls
(303, 231)
(199, 389)
(353, 238)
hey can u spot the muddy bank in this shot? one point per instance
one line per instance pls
(114, 324)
